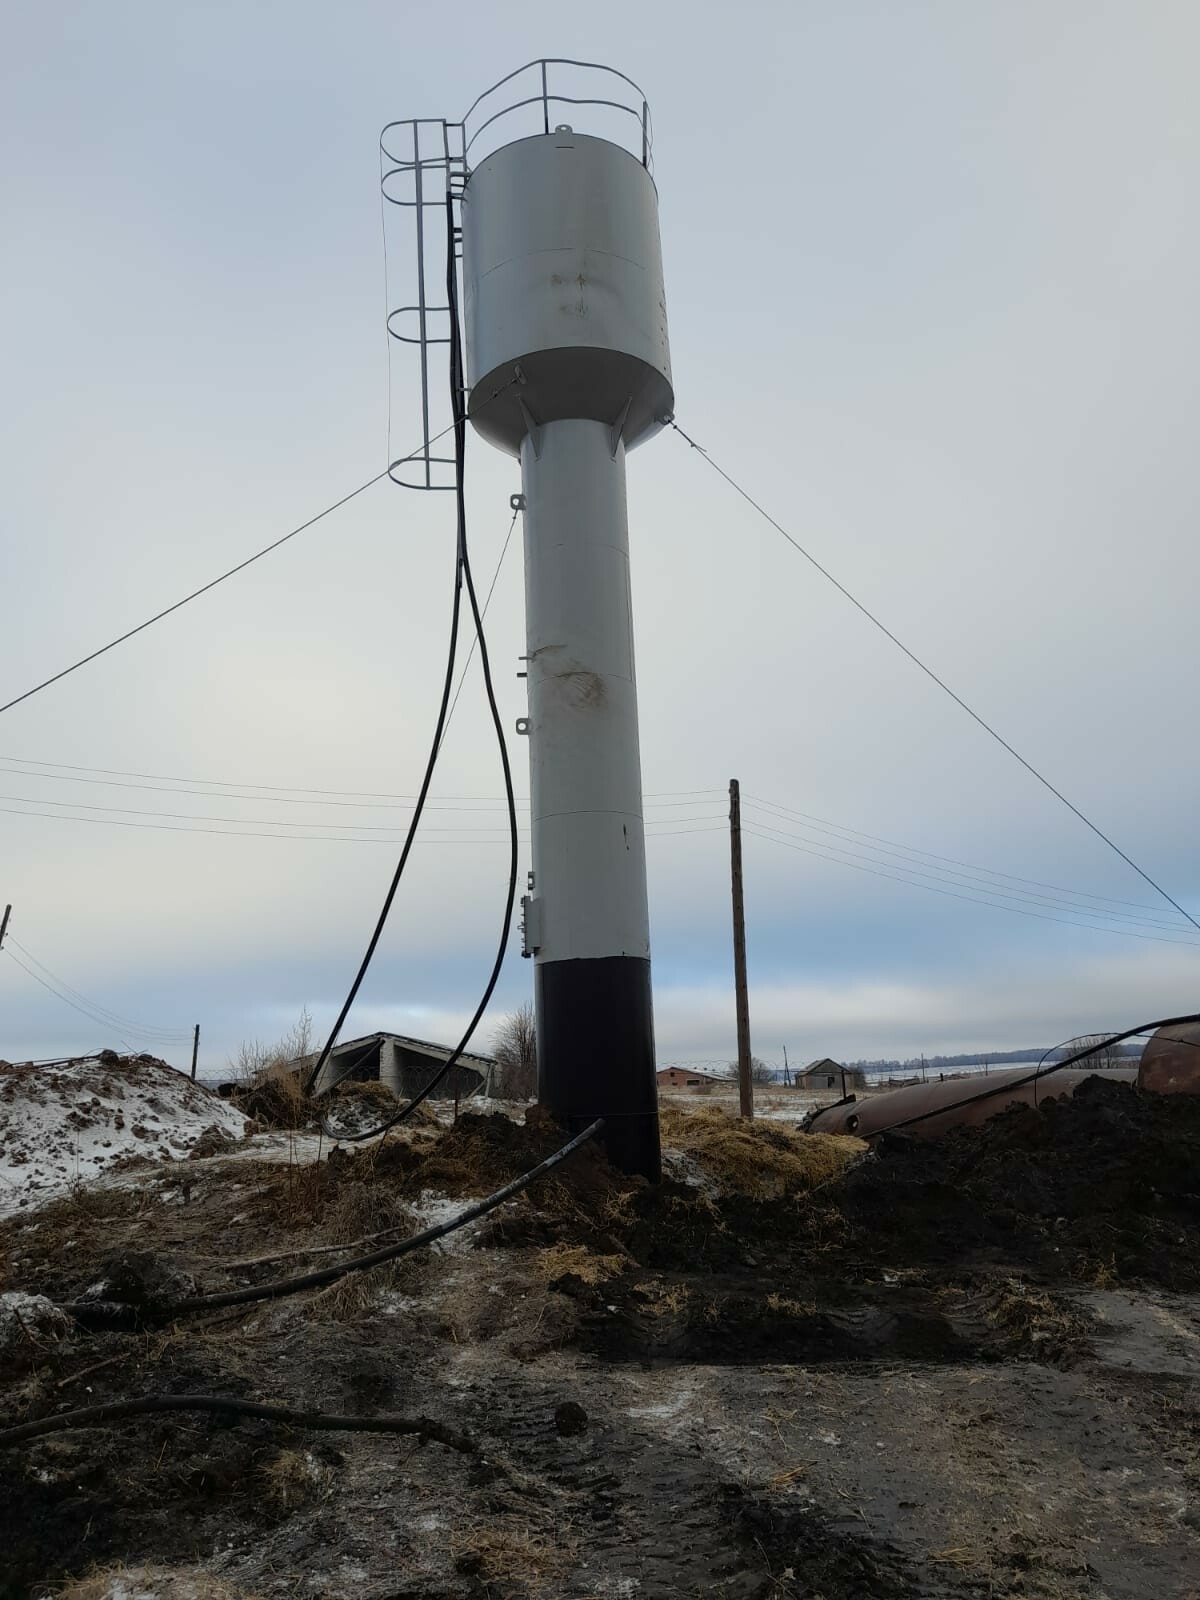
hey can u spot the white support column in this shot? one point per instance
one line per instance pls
(587, 920)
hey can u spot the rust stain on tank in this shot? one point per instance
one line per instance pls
(1170, 1062)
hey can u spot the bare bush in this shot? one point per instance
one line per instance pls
(271, 1089)
(1103, 1053)
(760, 1072)
(514, 1046)
(255, 1061)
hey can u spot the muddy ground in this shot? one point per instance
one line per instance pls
(954, 1369)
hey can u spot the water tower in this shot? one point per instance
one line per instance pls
(568, 368)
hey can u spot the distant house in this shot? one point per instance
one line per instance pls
(687, 1078)
(827, 1074)
(403, 1065)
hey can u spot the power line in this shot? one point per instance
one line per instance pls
(835, 852)
(193, 816)
(282, 794)
(480, 835)
(930, 673)
(114, 1018)
(807, 818)
(102, 1022)
(962, 879)
(480, 805)
(974, 899)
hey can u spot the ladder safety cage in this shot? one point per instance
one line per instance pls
(424, 159)
(422, 162)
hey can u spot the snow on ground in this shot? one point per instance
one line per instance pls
(770, 1104)
(433, 1209)
(66, 1122)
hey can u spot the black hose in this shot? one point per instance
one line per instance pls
(460, 568)
(101, 1312)
(457, 398)
(229, 1405)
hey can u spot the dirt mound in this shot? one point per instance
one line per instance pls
(1101, 1187)
(480, 1153)
(275, 1098)
(64, 1123)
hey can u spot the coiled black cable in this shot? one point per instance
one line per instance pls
(462, 575)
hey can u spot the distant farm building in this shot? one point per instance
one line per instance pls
(827, 1074)
(687, 1078)
(405, 1066)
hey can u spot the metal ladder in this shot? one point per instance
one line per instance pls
(430, 146)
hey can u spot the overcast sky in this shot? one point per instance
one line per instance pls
(931, 278)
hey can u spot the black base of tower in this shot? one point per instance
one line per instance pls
(595, 1033)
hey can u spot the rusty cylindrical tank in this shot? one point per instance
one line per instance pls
(1171, 1060)
(953, 1103)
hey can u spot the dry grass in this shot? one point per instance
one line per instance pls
(1035, 1319)
(514, 1553)
(371, 1092)
(1106, 1275)
(294, 1479)
(352, 1298)
(274, 1095)
(784, 1306)
(757, 1160)
(150, 1583)
(357, 1210)
(577, 1260)
(663, 1302)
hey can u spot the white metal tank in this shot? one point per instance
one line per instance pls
(563, 278)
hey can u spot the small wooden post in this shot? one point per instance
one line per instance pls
(195, 1049)
(745, 1084)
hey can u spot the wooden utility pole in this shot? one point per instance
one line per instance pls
(4, 925)
(745, 1083)
(195, 1049)
(787, 1080)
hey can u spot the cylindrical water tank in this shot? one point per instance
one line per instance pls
(563, 278)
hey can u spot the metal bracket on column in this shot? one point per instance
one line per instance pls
(531, 925)
(618, 427)
(533, 428)
(516, 502)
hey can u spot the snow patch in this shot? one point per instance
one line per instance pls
(67, 1122)
(433, 1209)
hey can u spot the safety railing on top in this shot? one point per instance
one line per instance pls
(541, 85)
(422, 159)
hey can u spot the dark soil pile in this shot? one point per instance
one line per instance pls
(933, 1249)
(1102, 1187)
(481, 1153)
